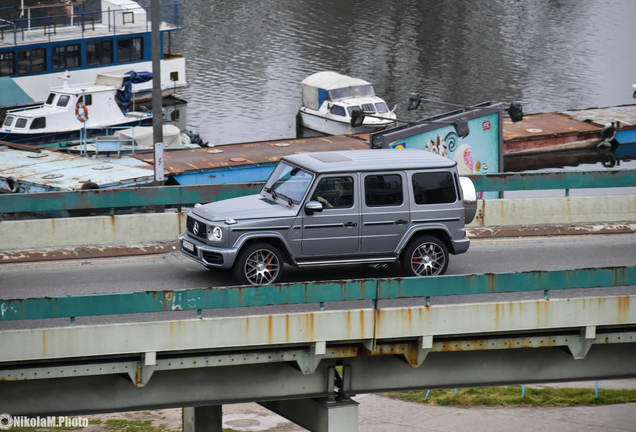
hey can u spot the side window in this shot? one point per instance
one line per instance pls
(38, 123)
(87, 99)
(334, 192)
(129, 49)
(434, 188)
(383, 190)
(7, 64)
(99, 53)
(21, 123)
(63, 100)
(30, 61)
(338, 110)
(66, 57)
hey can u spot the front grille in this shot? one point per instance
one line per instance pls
(201, 229)
(368, 108)
(212, 257)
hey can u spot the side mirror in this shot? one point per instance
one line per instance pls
(461, 127)
(357, 118)
(312, 207)
(414, 101)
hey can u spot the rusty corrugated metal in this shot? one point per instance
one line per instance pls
(264, 152)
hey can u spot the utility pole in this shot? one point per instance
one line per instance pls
(157, 115)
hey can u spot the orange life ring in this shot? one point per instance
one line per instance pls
(81, 112)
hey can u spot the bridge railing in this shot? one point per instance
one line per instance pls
(189, 195)
(313, 292)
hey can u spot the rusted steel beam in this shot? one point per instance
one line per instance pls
(184, 195)
(127, 197)
(312, 292)
(563, 179)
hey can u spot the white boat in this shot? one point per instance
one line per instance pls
(329, 99)
(41, 39)
(138, 139)
(58, 120)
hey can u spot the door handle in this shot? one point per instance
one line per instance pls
(351, 224)
(401, 222)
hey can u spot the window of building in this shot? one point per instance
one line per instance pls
(66, 57)
(63, 100)
(383, 190)
(434, 188)
(338, 110)
(38, 123)
(51, 98)
(31, 61)
(99, 53)
(129, 49)
(21, 123)
(334, 192)
(7, 64)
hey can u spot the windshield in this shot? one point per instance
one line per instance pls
(288, 182)
(351, 92)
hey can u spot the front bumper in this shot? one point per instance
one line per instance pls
(209, 256)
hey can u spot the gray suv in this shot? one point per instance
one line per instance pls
(341, 207)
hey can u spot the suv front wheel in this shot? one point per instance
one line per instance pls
(259, 264)
(425, 256)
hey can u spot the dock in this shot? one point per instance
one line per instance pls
(568, 130)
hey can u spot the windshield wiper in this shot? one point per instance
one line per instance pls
(289, 200)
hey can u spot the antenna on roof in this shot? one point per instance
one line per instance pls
(65, 77)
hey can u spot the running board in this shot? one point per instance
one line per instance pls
(346, 261)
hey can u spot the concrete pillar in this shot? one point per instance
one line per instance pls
(203, 419)
(318, 415)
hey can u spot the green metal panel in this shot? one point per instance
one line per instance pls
(231, 297)
(538, 180)
(128, 197)
(184, 195)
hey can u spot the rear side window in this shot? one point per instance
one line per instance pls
(38, 123)
(383, 190)
(434, 188)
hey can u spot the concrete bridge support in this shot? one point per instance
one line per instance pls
(318, 414)
(203, 419)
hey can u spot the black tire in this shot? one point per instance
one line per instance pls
(259, 264)
(425, 256)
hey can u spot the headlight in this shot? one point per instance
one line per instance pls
(217, 234)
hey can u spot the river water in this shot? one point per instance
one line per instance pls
(245, 59)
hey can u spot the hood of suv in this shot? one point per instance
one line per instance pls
(247, 207)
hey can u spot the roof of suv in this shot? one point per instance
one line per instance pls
(369, 160)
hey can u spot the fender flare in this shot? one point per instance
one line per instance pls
(264, 235)
(414, 231)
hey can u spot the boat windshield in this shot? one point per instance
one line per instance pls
(8, 121)
(288, 182)
(51, 98)
(349, 92)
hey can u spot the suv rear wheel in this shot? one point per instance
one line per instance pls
(259, 264)
(425, 256)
